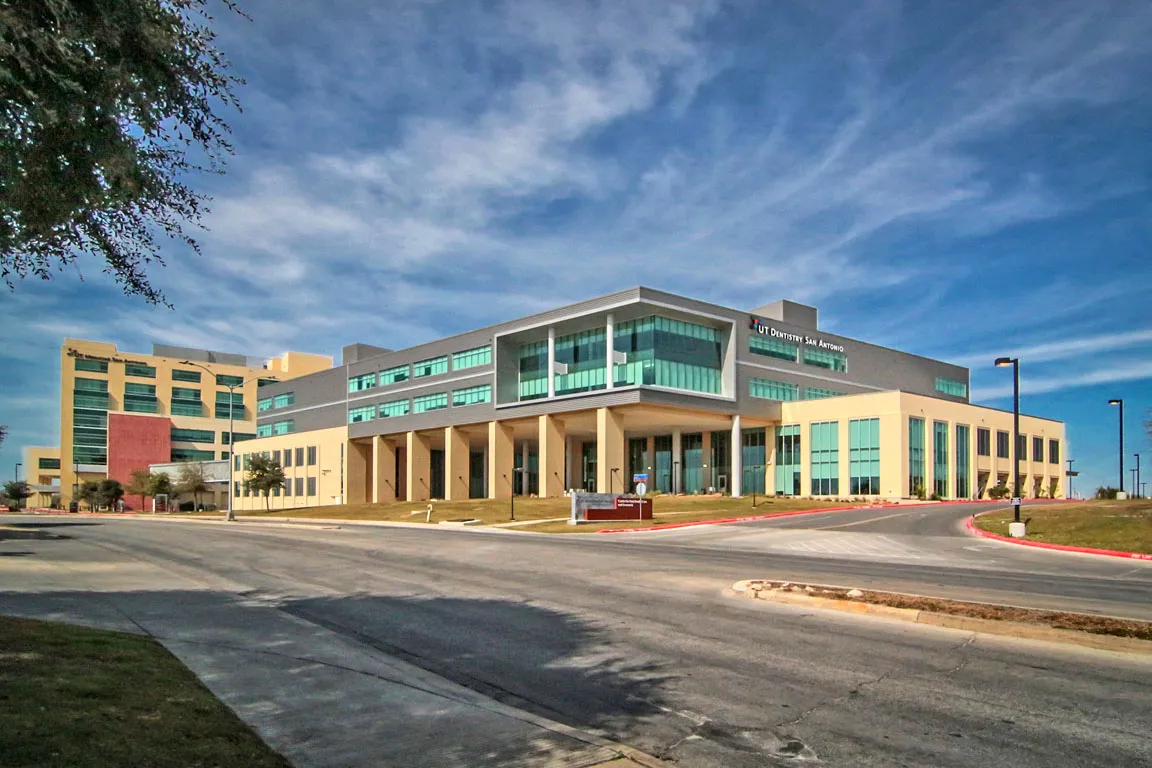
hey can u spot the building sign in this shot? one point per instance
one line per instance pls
(608, 507)
(84, 356)
(759, 326)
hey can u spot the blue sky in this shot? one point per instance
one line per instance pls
(958, 180)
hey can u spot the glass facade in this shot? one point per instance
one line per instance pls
(91, 366)
(48, 464)
(90, 393)
(263, 404)
(238, 411)
(769, 389)
(394, 408)
(583, 355)
(663, 464)
(916, 486)
(472, 395)
(89, 436)
(225, 380)
(864, 456)
(533, 370)
(470, 358)
(179, 435)
(983, 442)
(819, 393)
(662, 352)
(770, 347)
(788, 460)
(430, 367)
(824, 454)
(394, 375)
(963, 468)
(263, 430)
(284, 400)
(362, 382)
(363, 413)
(940, 458)
(426, 403)
(286, 427)
(951, 387)
(1053, 451)
(141, 370)
(140, 398)
(823, 358)
(720, 463)
(179, 375)
(191, 454)
(692, 462)
(752, 458)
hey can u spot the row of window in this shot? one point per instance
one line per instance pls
(767, 346)
(481, 393)
(1004, 442)
(141, 398)
(304, 456)
(143, 371)
(824, 457)
(769, 389)
(951, 387)
(283, 400)
(433, 366)
(283, 427)
(303, 486)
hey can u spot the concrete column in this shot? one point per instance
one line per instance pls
(551, 362)
(650, 465)
(524, 454)
(706, 458)
(551, 456)
(419, 476)
(357, 477)
(610, 331)
(609, 450)
(500, 463)
(383, 470)
(574, 463)
(677, 459)
(455, 464)
(737, 459)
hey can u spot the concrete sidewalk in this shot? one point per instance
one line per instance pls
(318, 697)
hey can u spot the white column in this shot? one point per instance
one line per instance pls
(609, 349)
(551, 362)
(524, 469)
(737, 458)
(676, 459)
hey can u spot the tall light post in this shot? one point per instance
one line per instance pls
(1117, 401)
(1002, 362)
(1071, 475)
(17, 477)
(1136, 484)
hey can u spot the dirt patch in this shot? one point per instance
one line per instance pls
(1080, 622)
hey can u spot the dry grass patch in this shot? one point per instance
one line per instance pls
(1119, 525)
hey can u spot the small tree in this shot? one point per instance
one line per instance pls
(1000, 491)
(192, 480)
(3, 432)
(89, 493)
(264, 474)
(140, 485)
(17, 491)
(1106, 492)
(110, 491)
(161, 486)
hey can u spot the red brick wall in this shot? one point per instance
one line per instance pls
(134, 442)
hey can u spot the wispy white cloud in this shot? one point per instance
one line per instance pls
(1040, 385)
(1064, 349)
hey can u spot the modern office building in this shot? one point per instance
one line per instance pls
(122, 411)
(698, 397)
(42, 473)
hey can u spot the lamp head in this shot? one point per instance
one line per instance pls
(1115, 401)
(1003, 361)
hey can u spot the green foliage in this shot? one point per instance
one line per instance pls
(918, 491)
(1000, 491)
(140, 485)
(110, 492)
(161, 485)
(17, 491)
(1053, 486)
(264, 474)
(193, 481)
(89, 493)
(1106, 492)
(936, 497)
(3, 433)
(104, 108)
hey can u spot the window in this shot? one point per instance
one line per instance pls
(284, 400)
(287, 486)
(90, 455)
(140, 398)
(1001, 445)
(311, 455)
(824, 445)
(364, 413)
(430, 367)
(1037, 449)
(1022, 447)
(91, 366)
(266, 382)
(394, 375)
(224, 380)
(362, 382)
(311, 486)
(823, 358)
(752, 458)
(275, 490)
(186, 402)
(90, 393)
(192, 435)
(951, 387)
(141, 370)
(299, 457)
(819, 393)
(963, 470)
(224, 455)
(788, 460)
(768, 389)
(1054, 452)
(236, 488)
(426, 403)
(286, 427)
(179, 375)
(864, 456)
(236, 463)
(533, 370)
(770, 347)
(472, 395)
(659, 351)
(238, 411)
(49, 463)
(916, 486)
(190, 454)
(940, 458)
(239, 437)
(276, 457)
(580, 362)
(394, 408)
(263, 430)
(287, 457)
(299, 486)
(983, 442)
(263, 404)
(470, 358)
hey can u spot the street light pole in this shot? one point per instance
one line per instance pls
(1119, 402)
(1136, 484)
(1015, 363)
(1068, 495)
(18, 465)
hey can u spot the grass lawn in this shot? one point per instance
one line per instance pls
(1119, 525)
(71, 696)
(667, 509)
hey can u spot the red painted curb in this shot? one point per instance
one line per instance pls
(970, 524)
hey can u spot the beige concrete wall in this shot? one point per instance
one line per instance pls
(456, 452)
(609, 451)
(384, 470)
(500, 460)
(551, 456)
(330, 470)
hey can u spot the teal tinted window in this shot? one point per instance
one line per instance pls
(224, 380)
(393, 375)
(427, 403)
(286, 427)
(824, 358)
(89, 455)
(1054, 452)
(179, 375)
(940, 458)
(96, 419)
(91, 385)
(770, 347)
(824, 448)
(916, 485)
(191, 454)
(470, 358)
(361, 382)
(472, 395)
(430, 367)
(819, 393)
(187, 409)
(141, 370)
(49, 463)
(263, 404)
(263, 430)
(963, 468)
(239, 437)
(752, 460)
(394, 408)
(266, 382)
(284, 400)
(90, 393)
(192, 435)
(767, 389)
(92, 366)
(864, 456)
(237, 410)
(533, 370)
(788, 460)
(951, 387)
(140, 398)
(184, 393)
(582, 357)
(659, 351)
(363, 413)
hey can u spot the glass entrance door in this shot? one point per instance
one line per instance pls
(588, 462)
(693, 450)
(663, 464)
(788, 460)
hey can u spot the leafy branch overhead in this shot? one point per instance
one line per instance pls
(105, 107)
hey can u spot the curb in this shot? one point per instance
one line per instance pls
(970, 525)
(965, 623)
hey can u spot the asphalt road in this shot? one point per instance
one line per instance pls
(633, 635)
